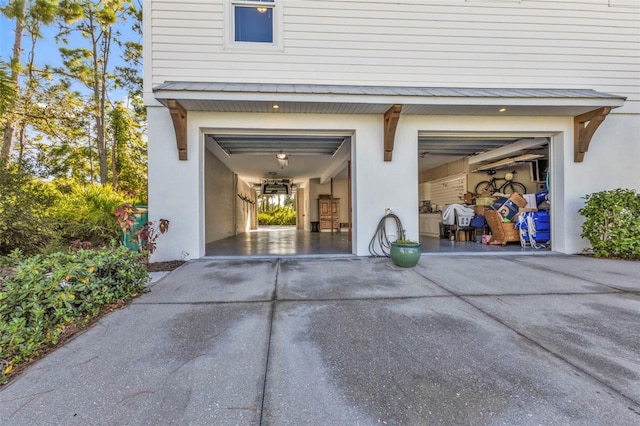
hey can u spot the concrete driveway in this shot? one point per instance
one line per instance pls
(355, 341)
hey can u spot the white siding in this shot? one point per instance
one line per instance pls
(456, 43)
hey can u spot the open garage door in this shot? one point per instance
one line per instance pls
(463, 176)
(264, 191)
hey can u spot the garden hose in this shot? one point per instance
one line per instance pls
(381, 236)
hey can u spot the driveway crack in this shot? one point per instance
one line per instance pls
(274, 299)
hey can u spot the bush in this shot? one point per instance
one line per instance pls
(25, 223)
(278, 216)
(612, 223)
(85, 212)
(45, 294)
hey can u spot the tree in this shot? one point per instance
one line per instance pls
(7, 89)
(95, 22)
(29, 15)
(128, 152)
(16, 10)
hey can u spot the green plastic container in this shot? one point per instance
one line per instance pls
(141, 218)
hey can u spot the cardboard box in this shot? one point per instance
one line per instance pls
(511, 207)
(468, 198)
(461, 235)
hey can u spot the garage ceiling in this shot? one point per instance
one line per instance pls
(252, 155)
(274, 144)
(458, 146)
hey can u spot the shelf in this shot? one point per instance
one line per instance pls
(508, 162)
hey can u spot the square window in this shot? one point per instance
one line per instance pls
(253, 21)
(253, 24)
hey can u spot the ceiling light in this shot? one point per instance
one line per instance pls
(261, 9)
(276, 106)
(283, 159)
(502, 110)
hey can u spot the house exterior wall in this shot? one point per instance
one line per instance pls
(176, 190)
(442, 43)
(455, 43)
(379, 184)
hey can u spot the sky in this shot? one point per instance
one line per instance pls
(47, 50)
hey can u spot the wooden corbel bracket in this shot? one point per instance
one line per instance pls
(391, 118)
(179, 118)
(584, 126)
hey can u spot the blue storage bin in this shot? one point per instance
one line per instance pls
(541, 219)
(539, 236)
(541, 222)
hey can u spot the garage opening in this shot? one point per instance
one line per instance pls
(484, 192)
(266, 192)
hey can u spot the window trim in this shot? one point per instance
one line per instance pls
(229, 23)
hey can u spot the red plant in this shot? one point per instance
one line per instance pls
(146, 236)
(125, 215)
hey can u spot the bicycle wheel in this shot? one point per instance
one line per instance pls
(484, 186)
(513, 187)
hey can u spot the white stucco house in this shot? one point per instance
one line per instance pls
(387, 102)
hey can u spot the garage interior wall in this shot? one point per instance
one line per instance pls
(523, 174)
(222, 203)
(219, 199)
(246, 217)
(303, 216)
(340, 191)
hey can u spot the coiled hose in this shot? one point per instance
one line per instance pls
(381, 237)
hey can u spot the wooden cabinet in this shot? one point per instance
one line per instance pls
(329, 213)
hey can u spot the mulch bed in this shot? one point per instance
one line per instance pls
(164, 266)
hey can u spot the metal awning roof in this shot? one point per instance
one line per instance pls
(351, 99)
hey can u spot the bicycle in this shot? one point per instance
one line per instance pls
(510, 186)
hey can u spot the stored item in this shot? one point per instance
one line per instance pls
(478, 221)
(535, 229)
(509, 208)
(503, 232)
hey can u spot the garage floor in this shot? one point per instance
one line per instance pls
(287, 240)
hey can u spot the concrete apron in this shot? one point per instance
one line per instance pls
(456, 340)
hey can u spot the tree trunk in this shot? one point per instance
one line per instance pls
(99, 93)
(114, 161)
(9, 130)
(21, 140)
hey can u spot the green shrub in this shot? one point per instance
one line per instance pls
(612, 223)
(278, 216)
(85, 212)
(46, 293)
(25, 222)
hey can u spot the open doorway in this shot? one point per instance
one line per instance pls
(462, 176)
(277, 177)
